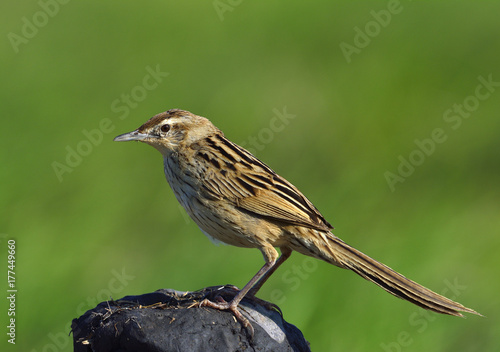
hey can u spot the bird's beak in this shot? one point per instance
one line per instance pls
(131, 136)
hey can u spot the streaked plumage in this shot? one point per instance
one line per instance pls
(237, 199)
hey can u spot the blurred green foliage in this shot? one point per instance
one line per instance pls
(356, 116)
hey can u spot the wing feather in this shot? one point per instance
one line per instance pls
(254, 187)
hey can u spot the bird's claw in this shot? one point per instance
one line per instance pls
(224, 305)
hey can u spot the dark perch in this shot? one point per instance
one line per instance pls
(169, 320)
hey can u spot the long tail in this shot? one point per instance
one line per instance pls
(391, 281)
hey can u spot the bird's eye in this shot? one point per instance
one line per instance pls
(165, 128)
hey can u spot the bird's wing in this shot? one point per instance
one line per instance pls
(252, 186)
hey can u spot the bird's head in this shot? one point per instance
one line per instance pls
(171, 130)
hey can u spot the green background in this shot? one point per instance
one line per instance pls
(355, 117)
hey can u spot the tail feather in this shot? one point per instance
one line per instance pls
(391, 281)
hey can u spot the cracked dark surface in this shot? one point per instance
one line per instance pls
(169, 320)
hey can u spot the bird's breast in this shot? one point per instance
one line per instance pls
(219, 219)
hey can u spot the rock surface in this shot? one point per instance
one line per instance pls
(169, 320)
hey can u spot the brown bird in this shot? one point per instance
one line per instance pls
(237, 199)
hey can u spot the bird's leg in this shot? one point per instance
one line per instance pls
(285, 254)
(233, 305)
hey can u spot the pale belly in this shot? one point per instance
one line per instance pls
(221, 220)
(227, 226)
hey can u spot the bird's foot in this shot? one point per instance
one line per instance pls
(221, 304)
